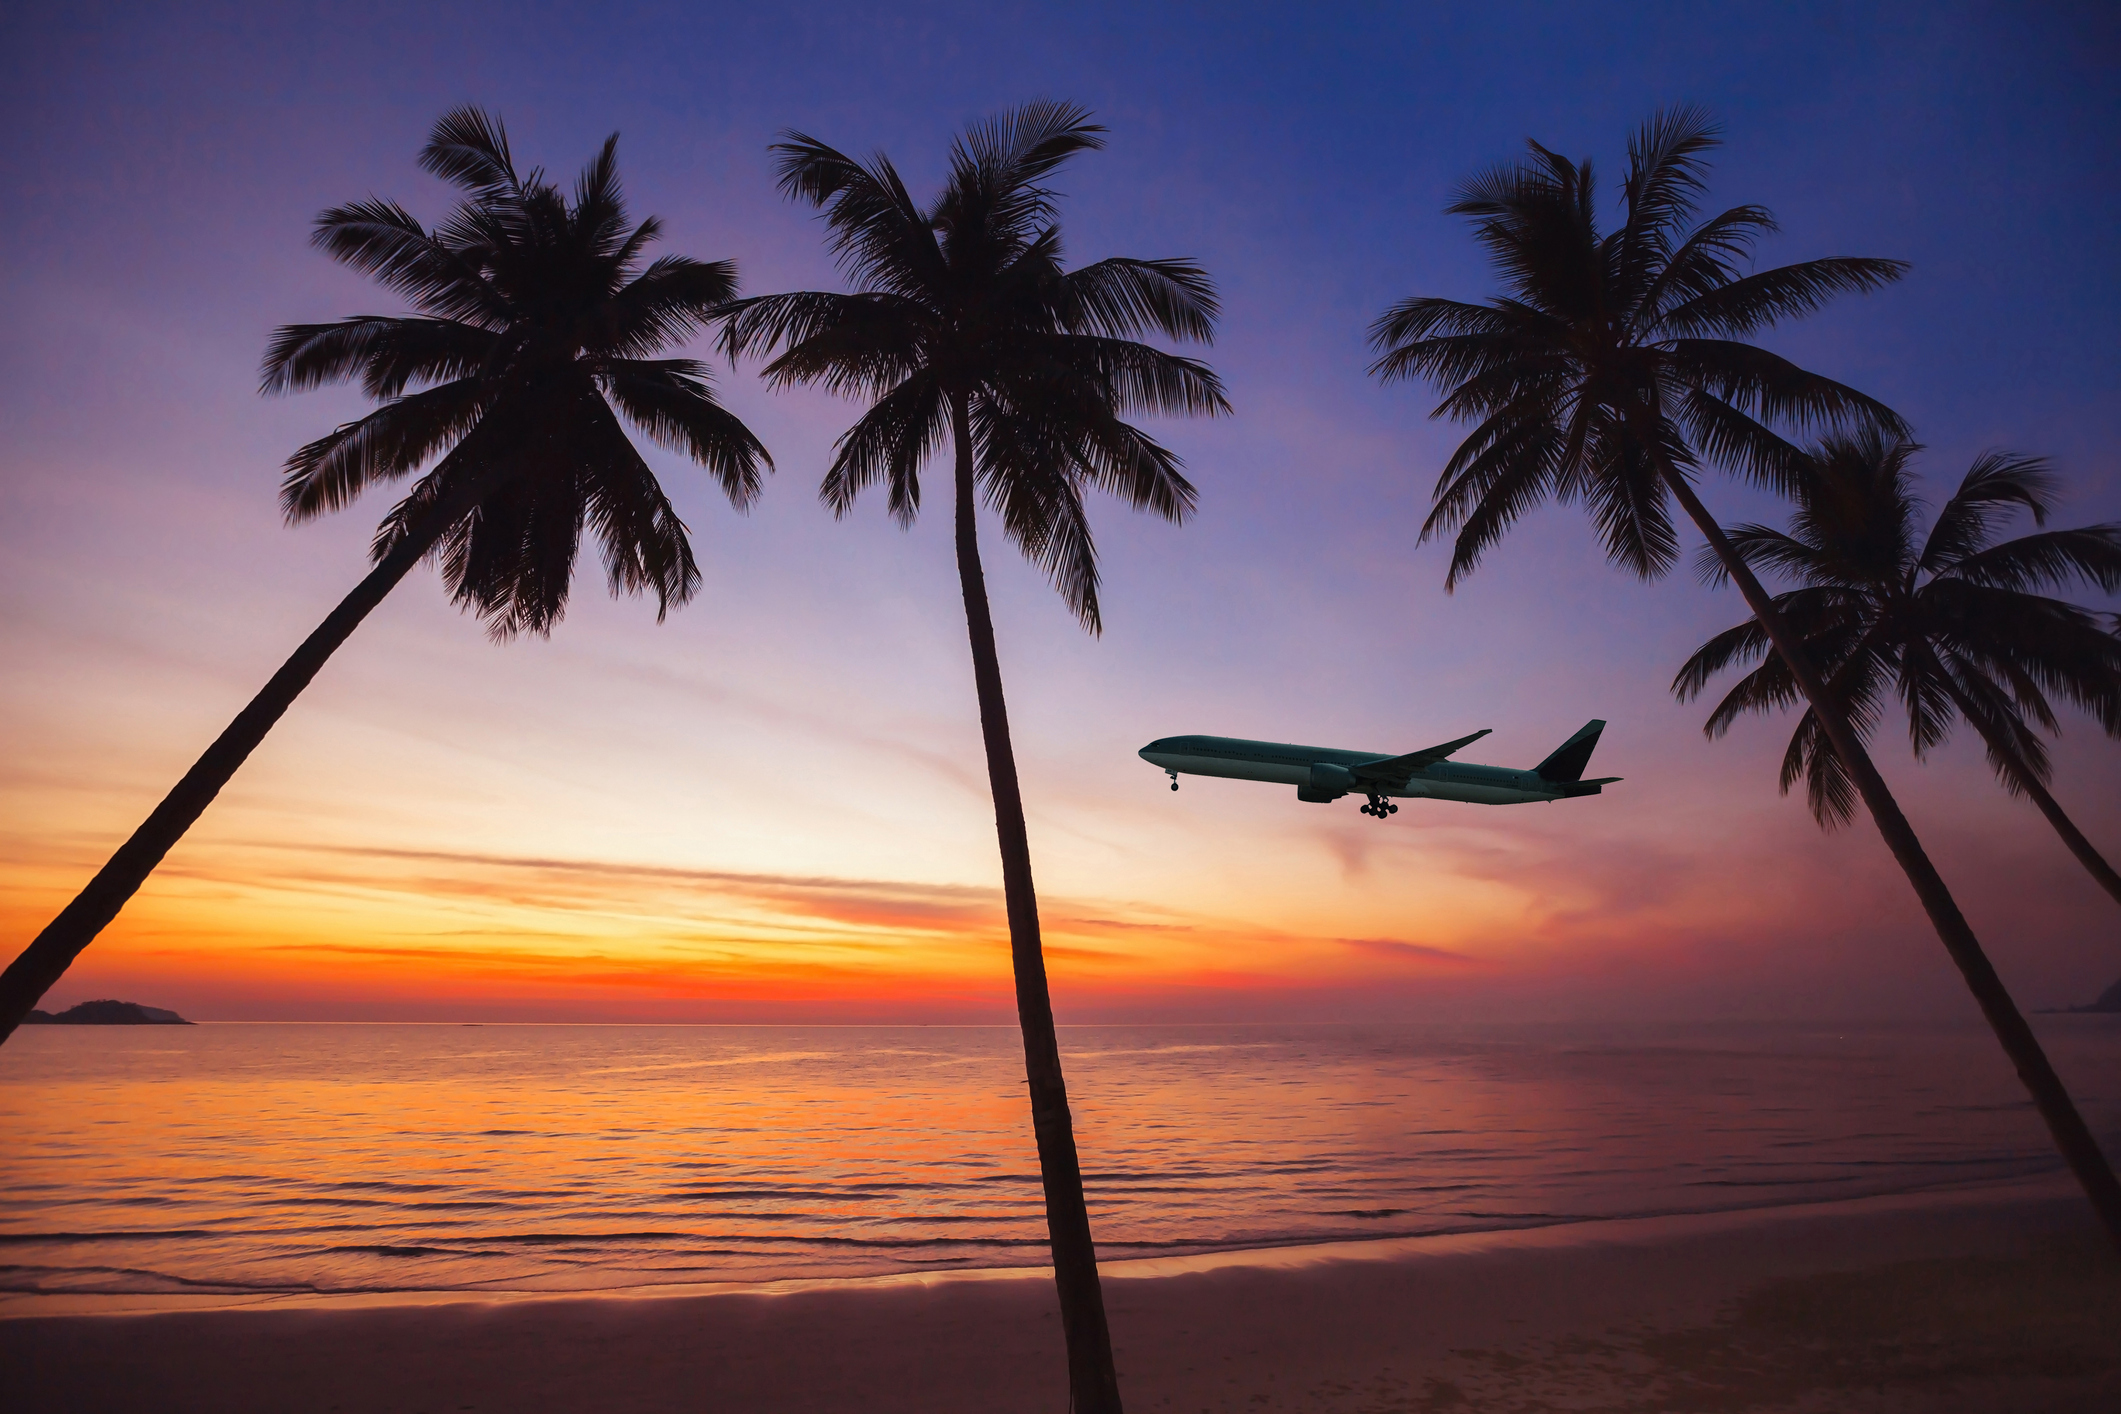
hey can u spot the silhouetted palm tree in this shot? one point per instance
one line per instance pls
(968, 336)
(1612, 370)
(534, 321)
(1949, 622)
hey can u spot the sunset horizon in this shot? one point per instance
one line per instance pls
(801, 734)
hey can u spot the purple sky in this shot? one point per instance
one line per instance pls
(810, 717)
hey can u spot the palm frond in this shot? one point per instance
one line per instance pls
(1828, 792)
(1833, 635)
(1027, 465)
(381, 238)
(330, 473)
(1537, 224)
(2011, 743)
(673, 299)
(387, 353)
(1668, 166)
(2052, 559)
(1416, 320)
(1482, 499)
(880, 239)
(1755, 302)
(1121, 298)
(1854, 687)
(512, 560)
(1742, 643)
(1737, 442)
(1762, 547)
(598, 221)
(1926, 700)
(852, 340)
(644, 543)
(1086, 442)
(1130, 464)
(1997, 484)
(2033, 643)
(889, 444)
(1542, 385)
(998, 167)
(1483, 370)
(469, 147)
(1630, 507)
(1667, 174)
(670, 401)
(1756, 381)
(1106, 376)
(1707, 260)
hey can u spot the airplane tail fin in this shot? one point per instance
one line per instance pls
(1569, 759)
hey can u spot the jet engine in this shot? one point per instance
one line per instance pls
(1326, 783)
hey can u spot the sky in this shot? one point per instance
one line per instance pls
(772, 807)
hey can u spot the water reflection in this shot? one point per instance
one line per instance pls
(295, 1158)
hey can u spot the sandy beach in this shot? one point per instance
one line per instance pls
(1998, 1298)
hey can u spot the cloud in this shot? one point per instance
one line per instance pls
(1398, 951)
(601, 886)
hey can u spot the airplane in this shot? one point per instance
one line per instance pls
(1324, 773)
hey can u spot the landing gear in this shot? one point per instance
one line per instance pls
(1379, 807)
(1174, 777)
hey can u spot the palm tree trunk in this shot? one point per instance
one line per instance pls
(1093, 1383)
(2022, 775)
(2067, 1126)
(46, 959)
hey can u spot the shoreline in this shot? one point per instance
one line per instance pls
(1592, 1232)
(1286, 1256)
(1990, 1298)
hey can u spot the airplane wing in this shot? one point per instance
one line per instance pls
(1395, 770)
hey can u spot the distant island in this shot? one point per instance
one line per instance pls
(2109, 1002)
(107, 1013)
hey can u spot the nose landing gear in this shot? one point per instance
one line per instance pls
(1379, 807)
(1174, 777)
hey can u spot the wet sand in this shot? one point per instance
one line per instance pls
(2002, 1299)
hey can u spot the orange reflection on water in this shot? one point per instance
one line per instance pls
(356, 1157)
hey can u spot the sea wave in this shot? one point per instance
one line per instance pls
(351, 1159)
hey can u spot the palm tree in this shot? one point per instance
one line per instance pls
(1948, 621)
(1613, 370)
(967, 334)
(535, 320)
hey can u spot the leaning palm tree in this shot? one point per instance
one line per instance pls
(535, 320)
(1614, 371)
(1949, 622)
(968, 336)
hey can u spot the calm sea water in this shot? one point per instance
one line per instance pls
(311, 1158)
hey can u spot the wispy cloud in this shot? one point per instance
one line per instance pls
(1395, 950)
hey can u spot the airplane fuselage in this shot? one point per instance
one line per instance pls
(1323, 773)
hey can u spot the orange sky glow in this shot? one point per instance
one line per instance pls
(773, 806)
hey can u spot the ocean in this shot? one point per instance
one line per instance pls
(238, 1159)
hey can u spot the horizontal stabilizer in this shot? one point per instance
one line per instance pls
(1396, 770)
(1567, 763)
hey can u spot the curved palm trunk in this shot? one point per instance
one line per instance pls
(2067, 1126)
(1093, 1384)
(2093, 861)
(46, 959)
